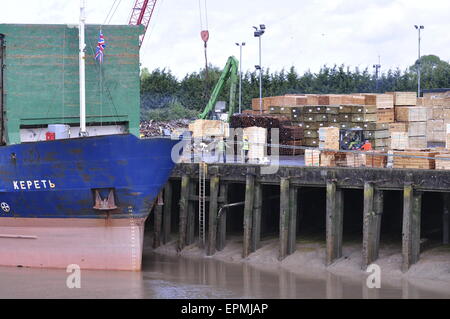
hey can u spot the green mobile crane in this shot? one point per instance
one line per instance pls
(230, 71)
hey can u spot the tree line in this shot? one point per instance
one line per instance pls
(164, 97)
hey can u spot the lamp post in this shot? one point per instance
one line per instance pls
(377, 68)
(258, 33)
(240, 45)
(418, 28)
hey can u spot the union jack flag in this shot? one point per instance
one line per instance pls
(100, 47)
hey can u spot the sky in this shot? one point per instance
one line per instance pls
(306, 34)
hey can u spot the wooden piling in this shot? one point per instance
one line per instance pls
(158, 221)
(184, 200)
(222, 221)
(192, 205)
(334, 222)
(257, 209)
(284, 216)
(446, 219)
(373, 209)
(412, 202)
(213, 210)
(248, 209)
(167, 214)
(292, 240)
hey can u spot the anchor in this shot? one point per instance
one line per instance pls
(108, 203)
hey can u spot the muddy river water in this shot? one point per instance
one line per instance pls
(184, 277)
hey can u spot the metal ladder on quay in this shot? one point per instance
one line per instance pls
(203, 171)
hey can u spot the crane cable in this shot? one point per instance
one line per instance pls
(111, 13)
(205, 36)
(201, 16)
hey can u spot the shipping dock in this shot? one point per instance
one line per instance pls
(242, 200)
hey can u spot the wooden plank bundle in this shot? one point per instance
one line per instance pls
(442, 161)
(355, 159)
(385, 115)
(256, 106)
(202, 128)
(375, 159)
(330, 99)
(257, 137)
(329, 138)
(399, 140)
(312, 157)
(328, 159)
(412, 128)
(414, 159)
(418, 142)
(297, 114)
(292, 148)
(405, 98)
(290, 133)
(382, 101)
(265, 121)
(447, 137)
(410, 114)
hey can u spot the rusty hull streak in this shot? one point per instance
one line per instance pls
(76, 151)
(134, 193)
(50, 157)
(86, 177)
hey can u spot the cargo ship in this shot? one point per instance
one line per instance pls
(76, 181)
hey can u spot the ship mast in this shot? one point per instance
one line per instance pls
(82, 57)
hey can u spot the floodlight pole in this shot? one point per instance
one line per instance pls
(240, 75)
(418, 61)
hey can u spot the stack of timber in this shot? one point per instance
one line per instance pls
(312, 157)
(291, 140)
(265, 121)
(447, 137)
(339, 111)
(418, 159)
(442, 160)
(438, 116)
(329, 138)
(290, 135)
(257, 137)
(312, 112)
(371, 112)
(355, 159)
(410, 119)
(208, 128)
(333, 159)
(376, 159)
(404, 98)
(385, 106)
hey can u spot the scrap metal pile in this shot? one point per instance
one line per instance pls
(156, 128)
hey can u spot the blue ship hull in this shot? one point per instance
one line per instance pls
(49, 195)
(56, 179)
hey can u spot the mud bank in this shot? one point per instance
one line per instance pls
(431, 272)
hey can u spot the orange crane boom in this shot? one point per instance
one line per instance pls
(141, 14)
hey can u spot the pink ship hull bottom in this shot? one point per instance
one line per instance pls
(109, 244)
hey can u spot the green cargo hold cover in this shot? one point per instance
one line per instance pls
(41, 77)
